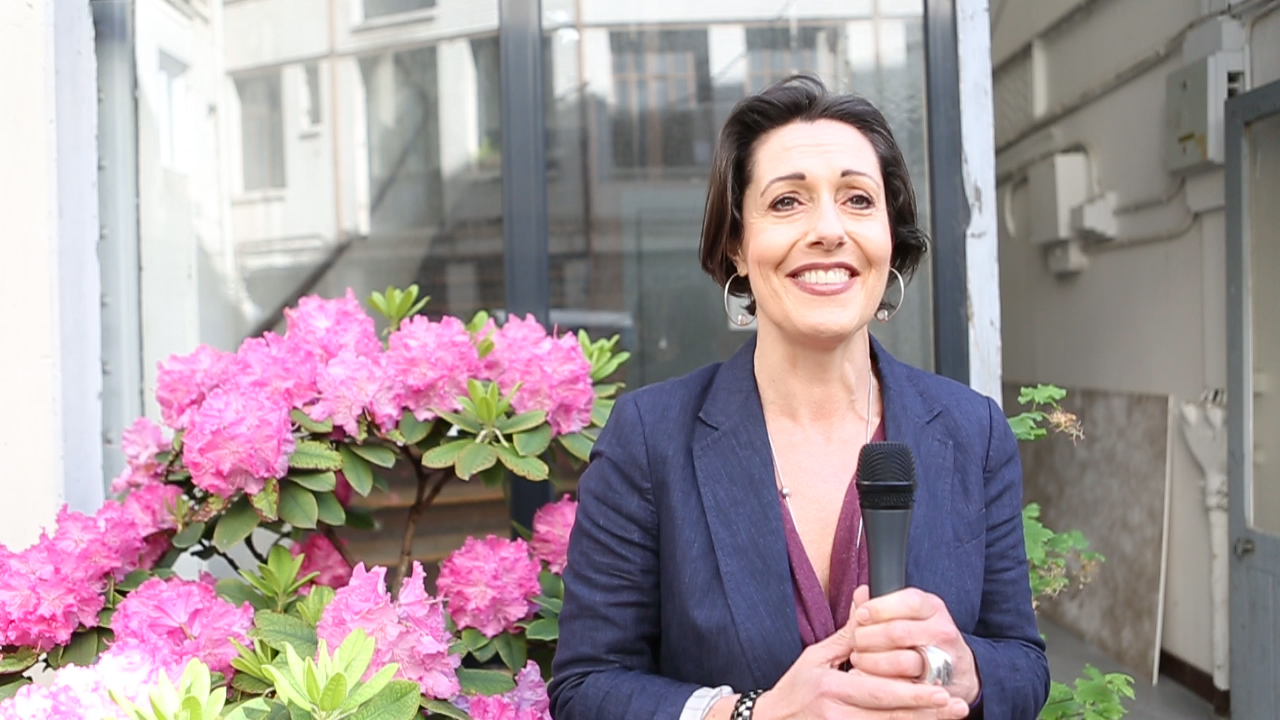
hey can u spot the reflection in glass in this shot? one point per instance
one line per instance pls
(1262, 217)
(637, 98)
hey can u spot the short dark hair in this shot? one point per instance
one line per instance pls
(799, 98)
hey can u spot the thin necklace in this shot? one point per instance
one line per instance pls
(786, 491)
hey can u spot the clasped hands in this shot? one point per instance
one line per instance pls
(880, 641)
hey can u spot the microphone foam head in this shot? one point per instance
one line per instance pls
(886, 476)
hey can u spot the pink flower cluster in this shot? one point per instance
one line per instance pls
(553, 373)
(56, 586)
(489, 584)
(320, 555)
(528, 701)
(551, 527)
(141, 443)
(179, 620)
(431, 363)
(410, 631)
(82, 692)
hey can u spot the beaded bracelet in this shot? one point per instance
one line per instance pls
(745, 705)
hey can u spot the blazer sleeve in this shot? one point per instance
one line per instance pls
(1006, 642)
(606, 658)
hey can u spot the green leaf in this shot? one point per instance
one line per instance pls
(534, 442)
(445, 454)
(399, 700)
(469, 424)
(280, 631)
(315, 455)
(133, 580)
(317, 481)
(82, 650)
(189, 536)
(298, 507)
(545, 629)
(18, 661)
(334, 693)
(380, 455)
(485, 682)
(329, 510)
(530, 468)
(413, 429)
(443, 709)
(578, 445)
(600, 410)
(551, 605)
(312, 606)
(246, 683)
(475, 458)
(358, 471)
(258, 709)
(473, 639)
(552, 585)
(267, 502)
(1041, 395)
(305, 422)
(359, 519)
(236, 524)
(238, 592)
(10, 685)
(523, 422)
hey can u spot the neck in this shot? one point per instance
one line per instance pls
(814, 386)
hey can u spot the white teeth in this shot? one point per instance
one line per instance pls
(834, 276)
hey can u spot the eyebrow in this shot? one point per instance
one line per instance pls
(801, 176)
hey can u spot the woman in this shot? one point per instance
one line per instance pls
(717, 567)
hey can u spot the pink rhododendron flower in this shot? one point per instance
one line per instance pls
(141, 443)
(321, 556)
(489, 584)
(528, 701)
(84, 692)
(279, 367)
(551, 526)
(351, 384)
(329, 326)
(410, 632)
(179, 620)
(431, 363)
(237, 440)
(183, 382)
(150, 508)
(553, 373)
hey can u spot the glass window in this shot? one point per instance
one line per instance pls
(261, 131)
(637, 100)
(311, 109)
(380, 8)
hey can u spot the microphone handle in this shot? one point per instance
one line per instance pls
(887, 549)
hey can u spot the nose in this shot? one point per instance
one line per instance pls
(828, 230)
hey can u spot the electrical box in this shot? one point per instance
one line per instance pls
(1054, 187)
(1194, 109)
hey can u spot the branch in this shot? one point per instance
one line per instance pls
(425, 496)
(248, 541)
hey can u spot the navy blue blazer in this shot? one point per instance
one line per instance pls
(678, 575)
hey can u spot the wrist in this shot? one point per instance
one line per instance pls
(765, 707)
(722, 709)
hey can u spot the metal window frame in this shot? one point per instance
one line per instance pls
(1241, 111)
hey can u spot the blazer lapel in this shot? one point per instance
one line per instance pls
(735, 478)
(910, 419)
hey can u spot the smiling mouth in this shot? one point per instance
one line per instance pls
(828, 276)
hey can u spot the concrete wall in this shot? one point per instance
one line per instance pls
(1147, 314)
(50, 370)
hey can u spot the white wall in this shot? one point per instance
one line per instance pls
(50, 370)
(1144, 317)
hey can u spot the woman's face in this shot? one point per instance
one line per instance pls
(816, 240)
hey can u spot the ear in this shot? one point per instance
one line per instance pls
(739, 260)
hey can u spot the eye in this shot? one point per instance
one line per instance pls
(862, 201)
(786, 202)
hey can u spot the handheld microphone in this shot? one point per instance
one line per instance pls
(886, 494)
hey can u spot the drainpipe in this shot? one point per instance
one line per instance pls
(1204, 427)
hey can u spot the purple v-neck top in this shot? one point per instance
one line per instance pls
(819, 615)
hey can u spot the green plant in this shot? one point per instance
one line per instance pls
(1058, 558)
(195, 698)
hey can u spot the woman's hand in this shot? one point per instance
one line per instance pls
(889, 630)
(815, 689)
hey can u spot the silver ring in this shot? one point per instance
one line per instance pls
(939, 669)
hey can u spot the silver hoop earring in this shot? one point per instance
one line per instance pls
(739, 319)
(885, 314)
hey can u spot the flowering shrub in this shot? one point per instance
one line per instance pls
(273, 441)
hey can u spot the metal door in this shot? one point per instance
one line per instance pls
(1253, 322)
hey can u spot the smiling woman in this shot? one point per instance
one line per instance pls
(718, 566)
